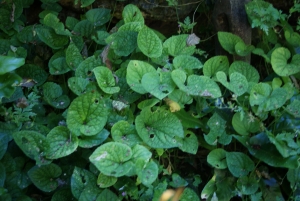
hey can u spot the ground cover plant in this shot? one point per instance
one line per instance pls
(89, 113)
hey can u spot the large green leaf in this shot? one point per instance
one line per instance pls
(53, 95)
(217, 158)
(245, 125)
(125, 133)
(77, 85)
(238, 83)
(228, 41)
(45, 177)
(84, 28)
(87, 114)
(239, 164)
(106, 80)
(57, 63)
(123, 42)
(176, 45)
(189, 143)
(159, 85)
(50, 38)
(186, 62)
(214, 65)
(147, 171)
(132, 13)
(8, 64)
(33, 144)
(52, 21)
(135, 72)
(61, 142)
(149, 43)
(112, 159)
(98, 16)
(282, 64)
(245, 69)
(158, 129)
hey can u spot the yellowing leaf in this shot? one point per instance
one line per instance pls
(174, 106)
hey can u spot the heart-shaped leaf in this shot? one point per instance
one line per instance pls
(149, 43)
(106, 80)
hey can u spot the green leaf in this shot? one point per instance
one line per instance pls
(217, 158)
(125, 133)
(82, 179)
(33, 144)
(33, 72)
(247, 185)
(106, 80)
(112, 159)
(87, 114)
(214, 65)
(7, 82)
(228, 41)
(140, 152)
(135, 72)
(292, 38)
(62, 195)
(188, 120)
(159, 85)
(94, 140)
(53, 95)
(106, 195)
(77, 85)
(45, 177)
(282, 64)
(131, 26)
(186, 62)
(177, 181)
(105, 181)
(50, 38)
(158, 129)
(188, 194)
(147, 171)
(8, 64)
(293, 176)
(84, 28)
(180, 97)
(242, 49)
(209, 189)
(85, 3)
(260, 147)
(73, 56)
(148, 103)
(189, 143)
(57, 63)
(100, 37)
(239, 164)
(259, 93)
(132, 13)
(85, 68)
(98, 16)
(246, 70)
(71, 22)
(245, 125)
(238, 83)
(61, 142)
(52, 21)
(149, 43)
(294, 108)
(123, 42)
(176, 45)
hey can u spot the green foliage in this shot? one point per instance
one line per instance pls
(93, 114)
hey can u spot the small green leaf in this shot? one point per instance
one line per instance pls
(94, 140)
(112, 159)
(209, 189)
(73, 56)
(140, 152)
(292, 38)
(52, 21)
(61, 142)
(247, 185)
(123, 42)
(259, 93)
(188, 194)
(148, 103)
(77, 85)
(45, 177)
(85, 68)
(178, 181)
(98, 16)
(125, 133)
(53, 95)
(149, 43)
(131, 26)
(180, 97)
(85, 3)
(188, 120)
(176, 45)
(214, 65)
(242, 49)
(217, 158)
(33, 72)
(186, 62)
(159, 85)
(87, 114)
(105, 181)
(228, 41)
(84, 28)
(33, 144)
(147, 171)
(7, 82)
(281, 63)
(8, 64)
(189, 143)
(132, 13)
(246, 125)
(239, 164)
(106, 195)
(135, 72)
(57, 63)
(294, 108)
(246, 70)
(238, 83)
(50, 38)
(106, 80)
(158, 129)
(71, 22)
